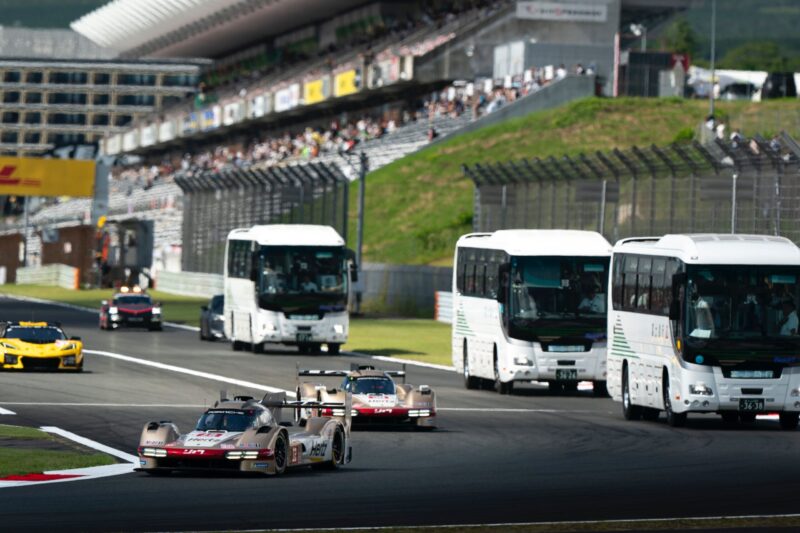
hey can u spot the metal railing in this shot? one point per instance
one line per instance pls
(750, 187)
(216, 203)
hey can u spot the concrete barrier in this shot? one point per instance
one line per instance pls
(53, 275)
(190, 283)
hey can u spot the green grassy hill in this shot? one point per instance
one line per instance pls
(418, 206)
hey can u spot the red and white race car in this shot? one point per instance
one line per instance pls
(130, 307)
(376, 396)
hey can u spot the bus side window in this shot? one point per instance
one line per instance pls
(617, 281)
(629, 289)
(660, 299)
(643, 284)
(460, 272)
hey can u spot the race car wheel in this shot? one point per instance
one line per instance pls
(629, 411)
(281, 453)
(470, 382)
(337, 452)
(334, 349)
(500, 386)
(673, 419)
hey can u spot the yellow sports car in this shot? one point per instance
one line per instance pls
(39, 346)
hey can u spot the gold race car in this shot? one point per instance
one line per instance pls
(39, 346)
(247, 435)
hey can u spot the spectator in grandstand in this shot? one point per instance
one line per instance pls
(561, 72)
(736, 138)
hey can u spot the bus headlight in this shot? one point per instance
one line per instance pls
(338, 329)
(701, 389)
(522, 361)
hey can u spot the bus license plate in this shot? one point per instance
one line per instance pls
(567, 374)
(751, 404)
(303, 337)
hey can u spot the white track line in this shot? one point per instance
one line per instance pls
(189, 371)
(6, 412)
(91, 444)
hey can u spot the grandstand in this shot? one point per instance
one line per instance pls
(303, 80)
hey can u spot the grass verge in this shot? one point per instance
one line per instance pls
(179, 309)
(419, 205)
(414, 339)
(22, 453)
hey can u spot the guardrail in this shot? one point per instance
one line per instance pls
(190, 283)
(53, 275)
(443, 311)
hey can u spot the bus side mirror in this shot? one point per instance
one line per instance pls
(503, 275)
(350, 256)
(675, 310)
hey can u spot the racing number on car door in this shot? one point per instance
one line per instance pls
(294, 456)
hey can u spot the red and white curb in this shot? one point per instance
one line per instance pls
(75, 474)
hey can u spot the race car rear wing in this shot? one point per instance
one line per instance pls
(353, 368)
(276, 402)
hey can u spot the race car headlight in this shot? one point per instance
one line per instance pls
(10, 359)
(234, 455)
(522, 361)
(156, 310)
(419, 412)
(8, 346)
(338, 329)
(154, 452)
(701, 389)
(70, 346)
(68, 360)
(113, 310)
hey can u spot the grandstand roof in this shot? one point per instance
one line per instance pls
(198, 28)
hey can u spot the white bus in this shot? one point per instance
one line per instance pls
(287, 284)
(705, 324)
(530, 305)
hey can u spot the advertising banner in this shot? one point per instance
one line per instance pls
(564, 12)
(346, 82)
(314, 91)
(147, 135)
(287, 98)
(29, 176)
(166, 130)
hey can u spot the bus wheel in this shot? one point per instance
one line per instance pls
(500, 386)
(334, 349)
(789, 421)
(629, 411)
(470, 382)
(599, 389)
(673, 419)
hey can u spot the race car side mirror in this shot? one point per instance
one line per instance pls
(204, 308)
(74, 338)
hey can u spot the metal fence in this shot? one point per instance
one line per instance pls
(751, 187)
(215, 203)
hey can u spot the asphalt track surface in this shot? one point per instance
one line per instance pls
(528, 457)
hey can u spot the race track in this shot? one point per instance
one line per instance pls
(495, 459)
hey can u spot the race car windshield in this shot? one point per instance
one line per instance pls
(35, 335)
(369, 385)
(132, 300)
(226, 420)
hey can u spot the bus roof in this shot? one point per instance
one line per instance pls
(541, 242)
(289, 235)
(717, 249)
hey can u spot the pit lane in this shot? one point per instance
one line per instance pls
(524, 458)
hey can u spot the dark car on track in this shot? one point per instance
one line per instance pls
(130, 307)
(212, 319)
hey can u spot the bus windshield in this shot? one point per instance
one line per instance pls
(562, 296)
(302, 278)
(742, 302)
